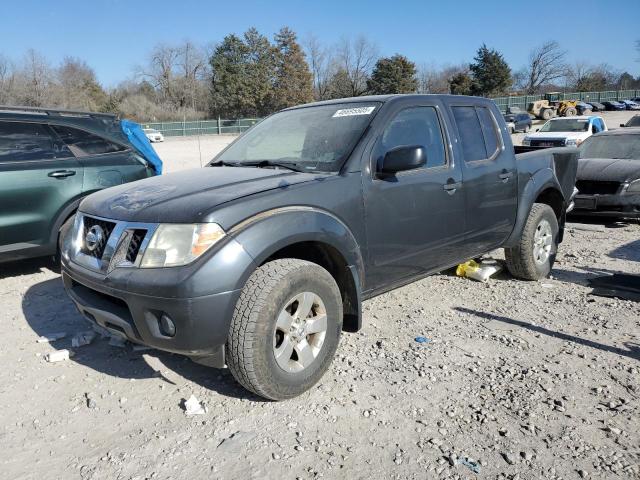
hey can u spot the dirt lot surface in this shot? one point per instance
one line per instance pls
(519, 380)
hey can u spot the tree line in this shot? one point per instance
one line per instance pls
(252, 75)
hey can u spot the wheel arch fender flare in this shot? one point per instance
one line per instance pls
(537, 183)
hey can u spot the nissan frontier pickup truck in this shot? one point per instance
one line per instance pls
(261, 259)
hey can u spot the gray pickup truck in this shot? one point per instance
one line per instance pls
(261, 259)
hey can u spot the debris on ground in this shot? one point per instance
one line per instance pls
(478, 271)
(422, 339)
(83, 338)
(51, 337)
(194, 407)
(58, 356)
(469, 463)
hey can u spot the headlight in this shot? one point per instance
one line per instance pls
(634, 187)
(173, 245)
(526, 142)
(572, 142)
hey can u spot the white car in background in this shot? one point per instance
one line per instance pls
(565, 131)
(153, 135)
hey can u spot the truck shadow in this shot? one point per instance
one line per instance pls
(632, 350)
(47, 309)
(24, 267)
(630, 251)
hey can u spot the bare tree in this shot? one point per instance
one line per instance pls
(36, 80)
(321, 64)
(356, 59)
(434, 79)
(546, 64)
(7, 80)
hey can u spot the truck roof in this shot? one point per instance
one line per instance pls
(388, 98)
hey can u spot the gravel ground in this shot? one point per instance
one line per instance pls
(519, 380)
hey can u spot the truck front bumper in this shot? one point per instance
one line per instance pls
(613, 206)
(139, 304)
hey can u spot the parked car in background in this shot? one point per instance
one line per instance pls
(614, 105)
(49, 161)
(584, 108)
(597, 106)
(261, 259)
(608, 179)
(632, 122)
(153, 135)
(630, 104)
(565, 131)
(518, 122)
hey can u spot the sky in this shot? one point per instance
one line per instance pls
(115, 36)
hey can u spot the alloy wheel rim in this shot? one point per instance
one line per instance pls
(542, 242)
(301, 329)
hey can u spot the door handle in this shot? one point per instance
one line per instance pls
(62, 173)
(451, 186)
(505, 176)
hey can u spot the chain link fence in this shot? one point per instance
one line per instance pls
(523, 102)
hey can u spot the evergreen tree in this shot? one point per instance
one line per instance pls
(340, 85)
(491, 72)
(396, 74)
(462, 84)
(260, 72)
(293, 81)
(229, 89)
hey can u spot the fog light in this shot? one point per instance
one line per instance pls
(167, 327)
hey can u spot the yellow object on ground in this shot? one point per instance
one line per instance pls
(467, 267)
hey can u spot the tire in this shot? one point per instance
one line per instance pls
(586, 111)
(527, 128)
(263, 358)
(529, 260)
(570, 112)
(547, 114)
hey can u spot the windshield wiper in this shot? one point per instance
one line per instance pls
(222, 163)
(271, 163)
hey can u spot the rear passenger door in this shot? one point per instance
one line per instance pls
(105, 163)
(490, 177)
(39, 176)
(414, 219)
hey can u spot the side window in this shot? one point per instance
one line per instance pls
(415, 126)
(489, 130)
(471, 136)
(21, 142)
(83, 143)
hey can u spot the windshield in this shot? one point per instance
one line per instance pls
(634, 121)
(566, 125)
(316, 138)
(612, 146)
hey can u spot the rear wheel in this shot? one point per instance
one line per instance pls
(570, 112)
(547, 113)
(285, 328)
(533, 257)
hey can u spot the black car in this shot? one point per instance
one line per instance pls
(597, 106)
(608, 179)
(614, 105)
(632, 122)
(261, 259)
(521, 121)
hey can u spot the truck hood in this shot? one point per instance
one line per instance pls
(188, 196)
(608, 169)
(552, 135)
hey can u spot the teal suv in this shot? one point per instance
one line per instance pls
(49, 161)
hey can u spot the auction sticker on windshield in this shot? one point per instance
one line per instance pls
(349, 112)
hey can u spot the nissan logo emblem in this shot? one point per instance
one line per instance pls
(94, 237)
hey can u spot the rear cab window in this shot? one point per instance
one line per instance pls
(479, 135)
(84, 144)
(26, 141)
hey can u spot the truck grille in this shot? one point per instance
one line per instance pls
(104, 228)
(550, 142)
(134, 244)
(595, 187)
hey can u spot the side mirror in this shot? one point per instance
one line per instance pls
(622, 125)
(537, 129)
(403, 158)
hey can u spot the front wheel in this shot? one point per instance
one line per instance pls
(285, 328)
(533, 257)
